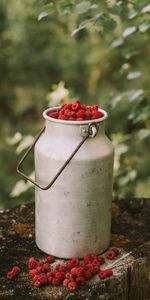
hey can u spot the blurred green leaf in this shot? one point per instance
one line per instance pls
(82, 7)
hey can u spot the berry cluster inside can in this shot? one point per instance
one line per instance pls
(76, 112)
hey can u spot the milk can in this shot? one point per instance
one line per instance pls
(73, 179)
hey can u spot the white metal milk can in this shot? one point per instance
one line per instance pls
(73, 195)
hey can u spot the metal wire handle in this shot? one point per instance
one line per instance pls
(90, 128)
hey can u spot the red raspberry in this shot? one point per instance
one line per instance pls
(60, 275)
(79, 119)
(50, 259)
(95, 107)
(87, 258)
(80, 280)
(87, 274)
(76, 105)
(72, 286)
(111, 254)
(71, 114)
(53, 273)
(69, 276)
(80, 271)
(50, 279)
(80, 113)
(46, 267)
(11, 275)
(33, 272)
(68, 106)
(95, 270)
(69, 265)
(67, 112)
(16, 269)
(43, 278)
(95, 262)
(35, 278)
(101, 260)
(102, 274)
(88, 266)
(54, 115)
(60, 268)
(109, 272)
(84, 106)
(74, 271)
(75, 262)
(40, 269)
(55, 281)
(96, 114)
(63, 106)
(115, 250)
(37, 283)
(65, 282)
(88, 114)
(62, 117)
(32, 263)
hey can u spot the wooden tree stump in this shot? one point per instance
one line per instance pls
(130, 233)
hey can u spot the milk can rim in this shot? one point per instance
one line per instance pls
(66, 122)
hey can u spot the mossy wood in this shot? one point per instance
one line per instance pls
(130, 232)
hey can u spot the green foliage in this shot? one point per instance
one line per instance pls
(100, 49)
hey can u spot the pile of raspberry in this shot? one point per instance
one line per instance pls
(76, 112)
(72, 274)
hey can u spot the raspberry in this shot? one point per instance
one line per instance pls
(109, 272)
(96, 114)
(60, 268)
(79, 271)
(67, 113)
(50, 259)
(32, 263)
(65, 282)
(43, 278)
(76, 105)
(115, 250)
(69, 276)
(55, 281)
(95, 270)
(88, 266)
(95, 107)
(88, 115)
(80, 119)
(46, 267)
(101, 260)
(111, 254)
(74, 271)
(54, 115)
(84, 106)
(60, 275)
(80, 113)
(87, 274)
(40, 269)
(53, 273)
(16, 270)
(68, 106)
(95, 262)
(75, 262)
(69, 265)
(11, 275)
(37, 283)
(33, 272)
(49, 279)
(102, 274)
(87, 258)
(72, 286)
(35, 278)
(80, 280)
(62, 117)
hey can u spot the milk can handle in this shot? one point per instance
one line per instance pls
(91, 131)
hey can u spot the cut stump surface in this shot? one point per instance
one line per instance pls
(130, 233)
